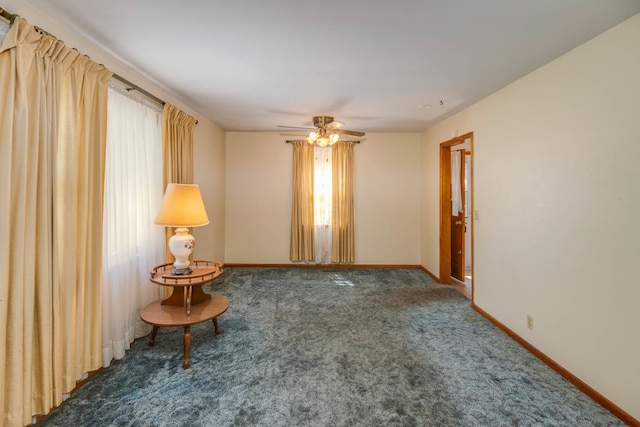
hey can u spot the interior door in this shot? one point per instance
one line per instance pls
(458, 225)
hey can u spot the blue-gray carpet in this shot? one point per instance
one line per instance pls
(333, 347)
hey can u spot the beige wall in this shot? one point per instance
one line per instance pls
(209, 139)
(555, 186)
(556, 189)
(209, 174)
(258, 200)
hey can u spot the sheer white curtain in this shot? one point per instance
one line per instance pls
(322, 204)
(132, 244)
(4, 29)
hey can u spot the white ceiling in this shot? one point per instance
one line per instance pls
(254, 64)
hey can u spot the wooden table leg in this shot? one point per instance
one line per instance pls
(187, 346)
(160, 314)
(152, 341)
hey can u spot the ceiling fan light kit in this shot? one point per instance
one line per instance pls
(322, 138)
(327, 131)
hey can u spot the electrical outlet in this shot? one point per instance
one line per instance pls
(530, 321)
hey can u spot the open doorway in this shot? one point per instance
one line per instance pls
(456, 219)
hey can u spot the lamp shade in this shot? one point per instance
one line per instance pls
(182, 206)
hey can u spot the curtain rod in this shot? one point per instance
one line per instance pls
(8, 16)
(139, 89)
(11, 17)
(289, 141)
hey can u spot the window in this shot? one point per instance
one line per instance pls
(322, 197)
(132, 244)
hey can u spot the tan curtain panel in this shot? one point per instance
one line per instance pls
(302, 243)
(177, 154)
(342, 236)
(177, 143)
(52, 138)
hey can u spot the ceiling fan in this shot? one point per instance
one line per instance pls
(326, 132)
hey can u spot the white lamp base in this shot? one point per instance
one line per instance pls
(181, 245)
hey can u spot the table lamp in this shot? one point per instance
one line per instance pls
(182, 207)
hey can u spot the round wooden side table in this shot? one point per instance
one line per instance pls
(188, 303)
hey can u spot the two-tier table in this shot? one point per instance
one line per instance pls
(188, 303)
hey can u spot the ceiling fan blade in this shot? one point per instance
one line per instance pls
(296, 127)
(297, 135)
(333, 125)
(348, 132)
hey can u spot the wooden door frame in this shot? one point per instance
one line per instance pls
(445, 205)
